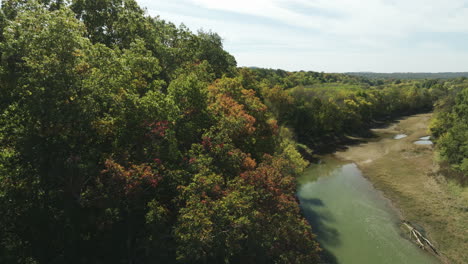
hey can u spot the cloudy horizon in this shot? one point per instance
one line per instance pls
(332, 35)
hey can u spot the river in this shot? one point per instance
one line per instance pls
(354, 223)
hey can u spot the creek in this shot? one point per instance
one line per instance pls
(354, 222)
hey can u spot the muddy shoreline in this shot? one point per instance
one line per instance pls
(408, 175)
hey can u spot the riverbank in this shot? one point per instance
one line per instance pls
(408, 175)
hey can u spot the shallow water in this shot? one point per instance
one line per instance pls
(423, 142)
(400, 136)
(425, 138)
(353, 222)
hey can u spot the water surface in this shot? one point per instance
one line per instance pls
(400, 136)
(355, 224)
(424, 141)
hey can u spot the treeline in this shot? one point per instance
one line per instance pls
(323, 109)
(450, 127)
(410, 75)
(126, 139)
(286, 79)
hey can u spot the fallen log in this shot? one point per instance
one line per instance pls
(421, 241)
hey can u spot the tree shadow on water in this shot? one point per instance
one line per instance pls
(320, 223)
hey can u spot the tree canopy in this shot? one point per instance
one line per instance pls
(127, 139)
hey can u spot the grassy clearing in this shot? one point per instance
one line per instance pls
(408, 175)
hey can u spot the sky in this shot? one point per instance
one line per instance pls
(332, 35)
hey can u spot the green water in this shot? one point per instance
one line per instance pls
(354, 223)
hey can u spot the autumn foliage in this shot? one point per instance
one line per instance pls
(127, 139)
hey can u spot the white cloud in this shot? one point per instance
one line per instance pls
(362, 17)
(272, 9)
(330, 35)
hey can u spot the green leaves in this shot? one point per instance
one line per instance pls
(118, 144)
(449, 126)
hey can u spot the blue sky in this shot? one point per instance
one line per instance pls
(332, 35)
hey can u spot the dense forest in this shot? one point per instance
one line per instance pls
(127, 139)
(450, 127)
(324, 108)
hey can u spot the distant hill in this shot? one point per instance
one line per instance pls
(409, 75)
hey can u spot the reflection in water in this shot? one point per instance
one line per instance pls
(322, 227)
(353, 222)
